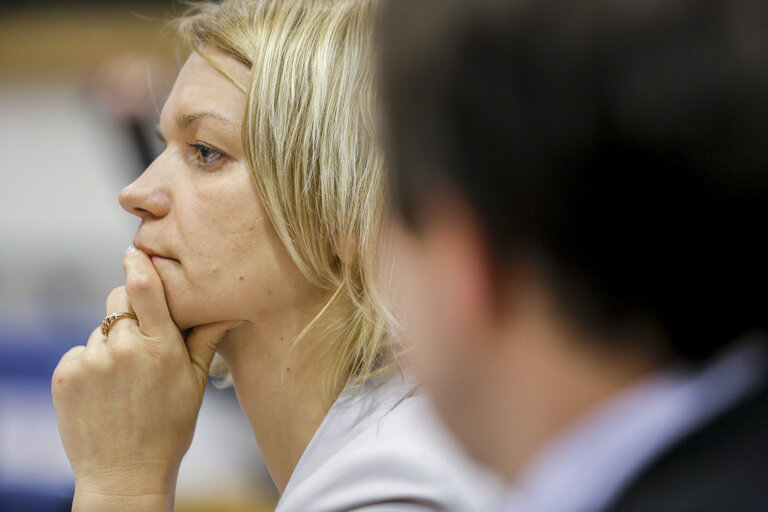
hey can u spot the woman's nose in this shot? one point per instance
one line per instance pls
(145, 197)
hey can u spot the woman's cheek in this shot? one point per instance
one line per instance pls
(187, 304)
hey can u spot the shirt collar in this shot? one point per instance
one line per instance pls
(586, 467)
(356, 408)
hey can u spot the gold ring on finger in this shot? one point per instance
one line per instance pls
(110, 320)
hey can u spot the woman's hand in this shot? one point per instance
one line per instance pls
(127, 405)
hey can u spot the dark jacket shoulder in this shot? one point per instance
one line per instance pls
(721, 467)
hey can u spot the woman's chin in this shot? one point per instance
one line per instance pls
(187, 318)
(188, 310)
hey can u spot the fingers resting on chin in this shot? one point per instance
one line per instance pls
(146, 295)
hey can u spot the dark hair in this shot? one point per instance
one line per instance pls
(626, 140)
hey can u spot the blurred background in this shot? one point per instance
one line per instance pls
(81, 85)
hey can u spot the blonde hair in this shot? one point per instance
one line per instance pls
(308, 136)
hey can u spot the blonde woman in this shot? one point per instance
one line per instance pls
(258, 242)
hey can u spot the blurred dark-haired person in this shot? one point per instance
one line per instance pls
(583, 194)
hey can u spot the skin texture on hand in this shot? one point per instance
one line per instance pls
(127, 405)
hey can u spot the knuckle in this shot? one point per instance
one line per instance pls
(120, 349)
(138, 283)
(72, 353)
(67, 370)
(95, 334)
(116, 294)
(95, 363)
(60, 373)
(59, 383)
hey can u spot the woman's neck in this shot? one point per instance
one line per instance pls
(282, 389)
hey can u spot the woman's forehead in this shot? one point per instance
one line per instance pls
(201, 87)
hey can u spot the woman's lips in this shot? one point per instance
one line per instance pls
(155, 257)
(161, 259)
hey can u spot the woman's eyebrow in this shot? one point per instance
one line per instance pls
(184, 120)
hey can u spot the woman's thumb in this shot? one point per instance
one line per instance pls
(202, 342)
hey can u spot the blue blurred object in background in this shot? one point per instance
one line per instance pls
(34, 500)
(34, 474)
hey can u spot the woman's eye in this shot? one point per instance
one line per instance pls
(206, 155)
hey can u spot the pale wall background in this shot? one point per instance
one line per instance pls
(63, 160)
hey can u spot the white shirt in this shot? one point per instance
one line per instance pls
(586, 468)
(381, 449)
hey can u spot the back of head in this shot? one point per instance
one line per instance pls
(624, 142)
(309, 140)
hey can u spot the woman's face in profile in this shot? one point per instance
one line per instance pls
(202, 222)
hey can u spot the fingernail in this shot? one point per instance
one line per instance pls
(130, 249)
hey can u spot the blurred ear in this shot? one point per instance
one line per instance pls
(463, 265)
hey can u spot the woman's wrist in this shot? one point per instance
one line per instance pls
(123, 491)
(86, 500)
